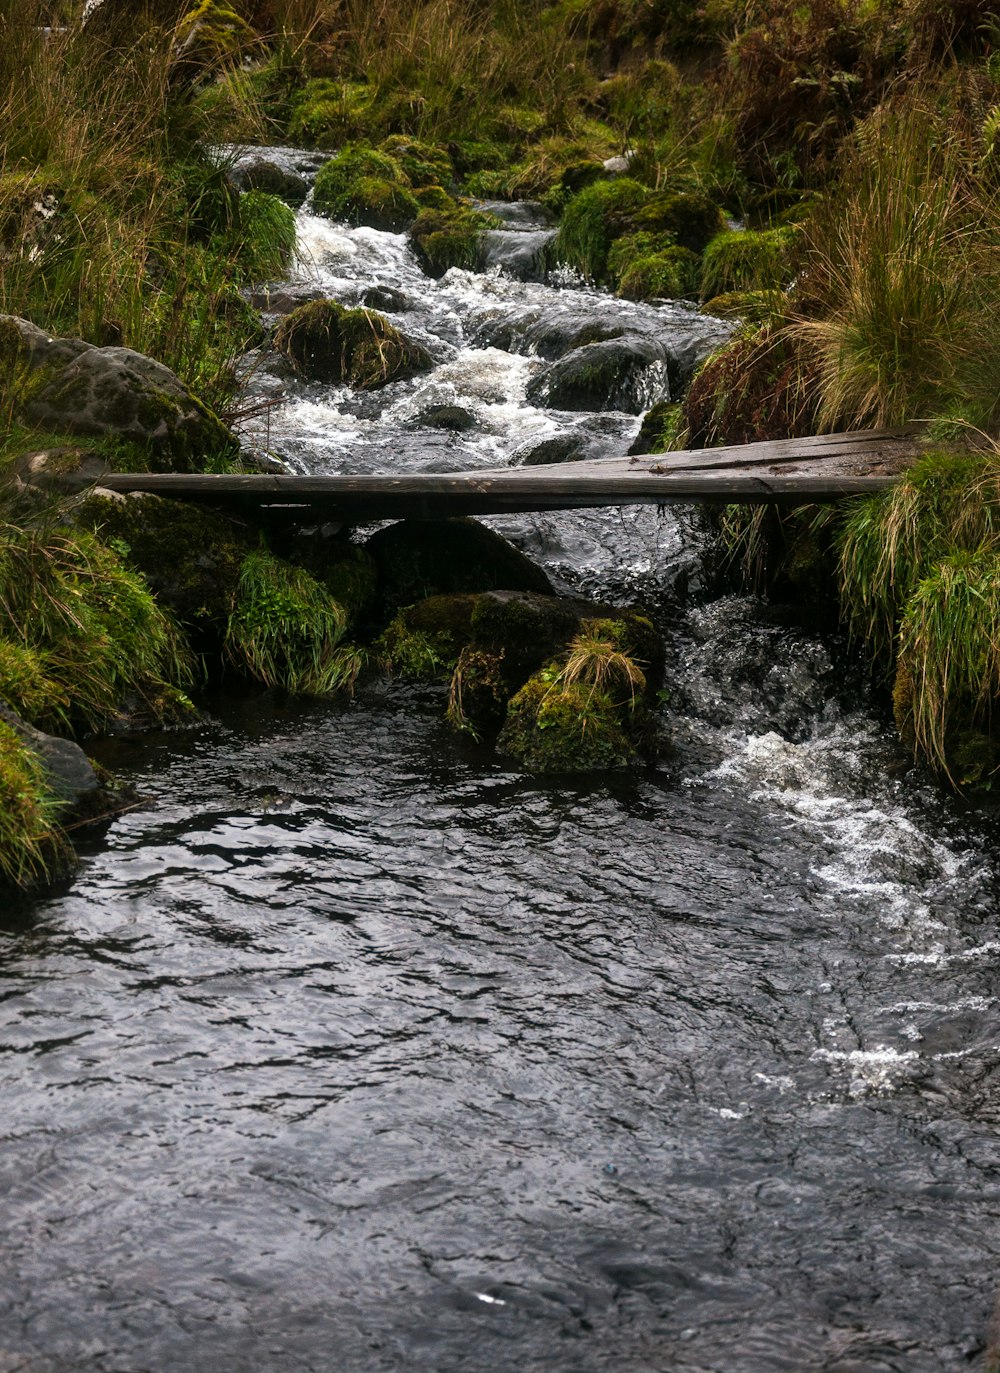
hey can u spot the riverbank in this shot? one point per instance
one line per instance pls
(782, 174)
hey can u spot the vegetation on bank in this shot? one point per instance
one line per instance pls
(827, 175)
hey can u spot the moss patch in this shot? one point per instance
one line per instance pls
(452, 237)
(364, 186)
(359, 348)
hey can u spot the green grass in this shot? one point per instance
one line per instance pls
(285, 630)
(82, 632)
(30, 839)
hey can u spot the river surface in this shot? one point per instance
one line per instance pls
(352, 1051)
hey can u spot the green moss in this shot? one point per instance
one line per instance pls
(593, 219)
(751, 260)
(30, 842)
(327, 113)
(212, 35)
(661, 429)
(688, 218)
(449, 238)
(552, 727)
(646, 267)
(424, 640)
(364, 186)
(359, 348)
(423, 164)
(285, 630)
(753, 307)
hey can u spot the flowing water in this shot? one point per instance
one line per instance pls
(353, 1050)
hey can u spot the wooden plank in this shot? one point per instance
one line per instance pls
(820, 468)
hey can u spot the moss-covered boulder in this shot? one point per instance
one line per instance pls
(690, 219)
(424, 164)
(190, 558)
(749, 260)
(261, 174)
(584, 711)
(648, 267)
(69, 387)
(451, 237)
(424, 641)
(364, 186)
(210, 36)
(327, 342)
(421, 558)
(512, 634)
(601, 213)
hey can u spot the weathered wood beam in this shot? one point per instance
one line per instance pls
(789, 472)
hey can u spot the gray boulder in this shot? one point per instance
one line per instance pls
(68, 770)
(75, 388)
(628, 373)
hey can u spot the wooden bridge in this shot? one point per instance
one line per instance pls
(786, 472)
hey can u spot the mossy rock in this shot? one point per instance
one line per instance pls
(689, 218)
(613, 375)
(594, 219)
(424, 640)
(425, 165)
(513, 634)
(188, 556)
(264, 175)
(554, 727)
(364, 186)
(327, 113)
(327, 342)
(748, 260)
(646, 267)
(441, 239)
(661, 427)
(68, 387)
(210, 37)
(753, 307)
(421, 558)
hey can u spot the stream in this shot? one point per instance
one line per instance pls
(353, 1051)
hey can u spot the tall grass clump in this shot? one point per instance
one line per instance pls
(114, 225)
(901, 279)
(285, 630)
(949, 659)
(82, 633)
(30, 840)
(891, 541)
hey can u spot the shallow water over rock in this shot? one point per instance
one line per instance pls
(353, 1050)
